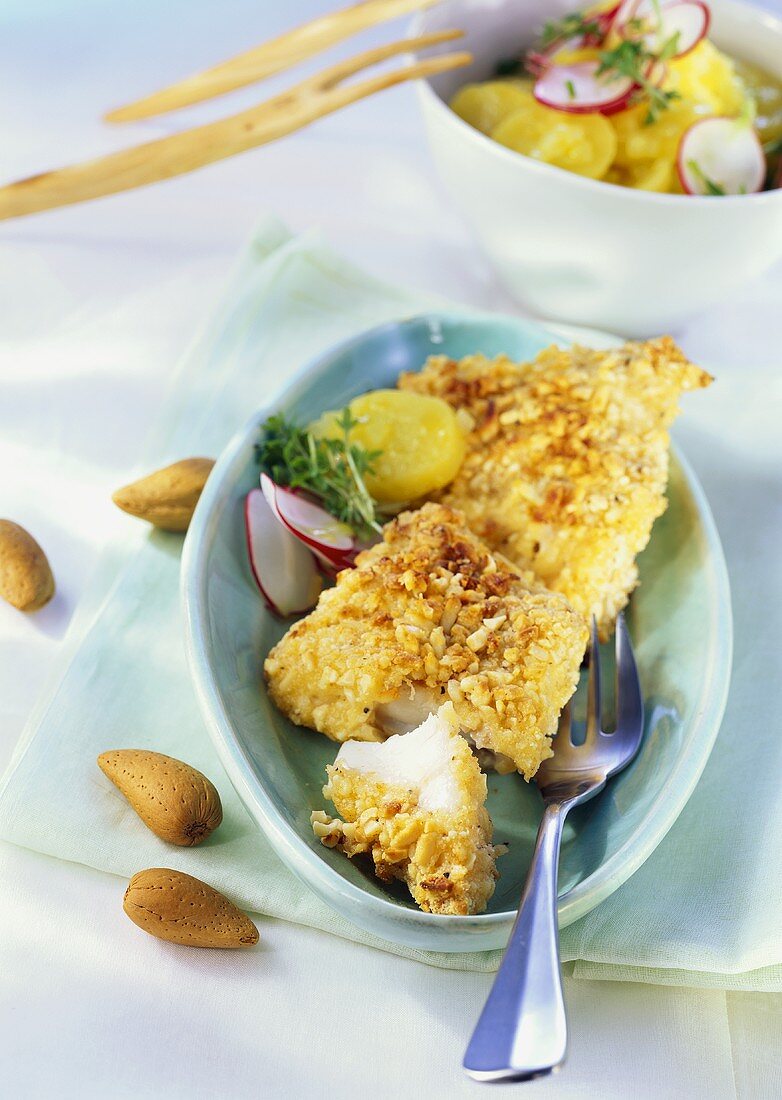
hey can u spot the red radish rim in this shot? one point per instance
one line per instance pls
(535, 63)
(606, 107)
(334, 565)
(704, 32)
(607, 110)
(618, 20)
(281, 492)
(628, 11)
(681, 166)
(330, 564)
(706, 10)
(540, 61)
(656, 73)
(334, 556)
(267, 597)
(606, 21)
(625, 11)
(619, 24)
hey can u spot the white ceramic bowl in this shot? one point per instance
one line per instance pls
(568, 247)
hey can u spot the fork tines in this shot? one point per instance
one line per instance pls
(626, 737)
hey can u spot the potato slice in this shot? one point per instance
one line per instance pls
(585, 144)
(421, 442)
(484, 106)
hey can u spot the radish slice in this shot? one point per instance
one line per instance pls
(578, 89)
(656, 73)
(536, 63)
(605, 20)
(283, 568)
(328, 538)
(688, 20)
(629, 10)
(540, 61)
(724, 153)
(562, 45)
(310, 519)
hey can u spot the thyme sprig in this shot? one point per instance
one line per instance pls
(574, 25)
(633, 59)
(333, 470)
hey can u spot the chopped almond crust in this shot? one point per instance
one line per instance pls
(431, 606)
(567, 459)
(446, 858)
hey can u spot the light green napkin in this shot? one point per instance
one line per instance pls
(687, 917)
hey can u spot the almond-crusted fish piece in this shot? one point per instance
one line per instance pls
(415, 805)
(567, 459)
(426, 616)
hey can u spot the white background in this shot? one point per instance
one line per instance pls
(96, 304)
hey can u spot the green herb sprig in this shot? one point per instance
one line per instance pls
(573, 25)
(631, 58)
(710, 186)
(333, 470)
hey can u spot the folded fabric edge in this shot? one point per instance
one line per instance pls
(767, 979)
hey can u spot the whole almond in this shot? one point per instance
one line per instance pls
(181, 909)
(167, 497)
(26, 579)
(175, 801)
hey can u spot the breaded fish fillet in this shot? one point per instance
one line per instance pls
(415, 805)
(430, 614)
(567, 459)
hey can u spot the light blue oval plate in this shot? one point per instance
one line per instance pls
(679, 617)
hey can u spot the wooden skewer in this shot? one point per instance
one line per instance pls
(313, 98)
(270, 58)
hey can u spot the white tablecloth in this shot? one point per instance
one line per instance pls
(97, 303)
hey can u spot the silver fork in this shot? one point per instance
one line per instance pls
(522, 1031)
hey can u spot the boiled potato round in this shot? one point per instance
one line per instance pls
(585, 144)
(642, 142)
(707, 77)
(421, 443)
(656, 175)
(485, 105)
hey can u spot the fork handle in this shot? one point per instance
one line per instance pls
(522, 1031)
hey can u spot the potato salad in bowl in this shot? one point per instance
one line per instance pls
(636, 94)
(619, 166)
